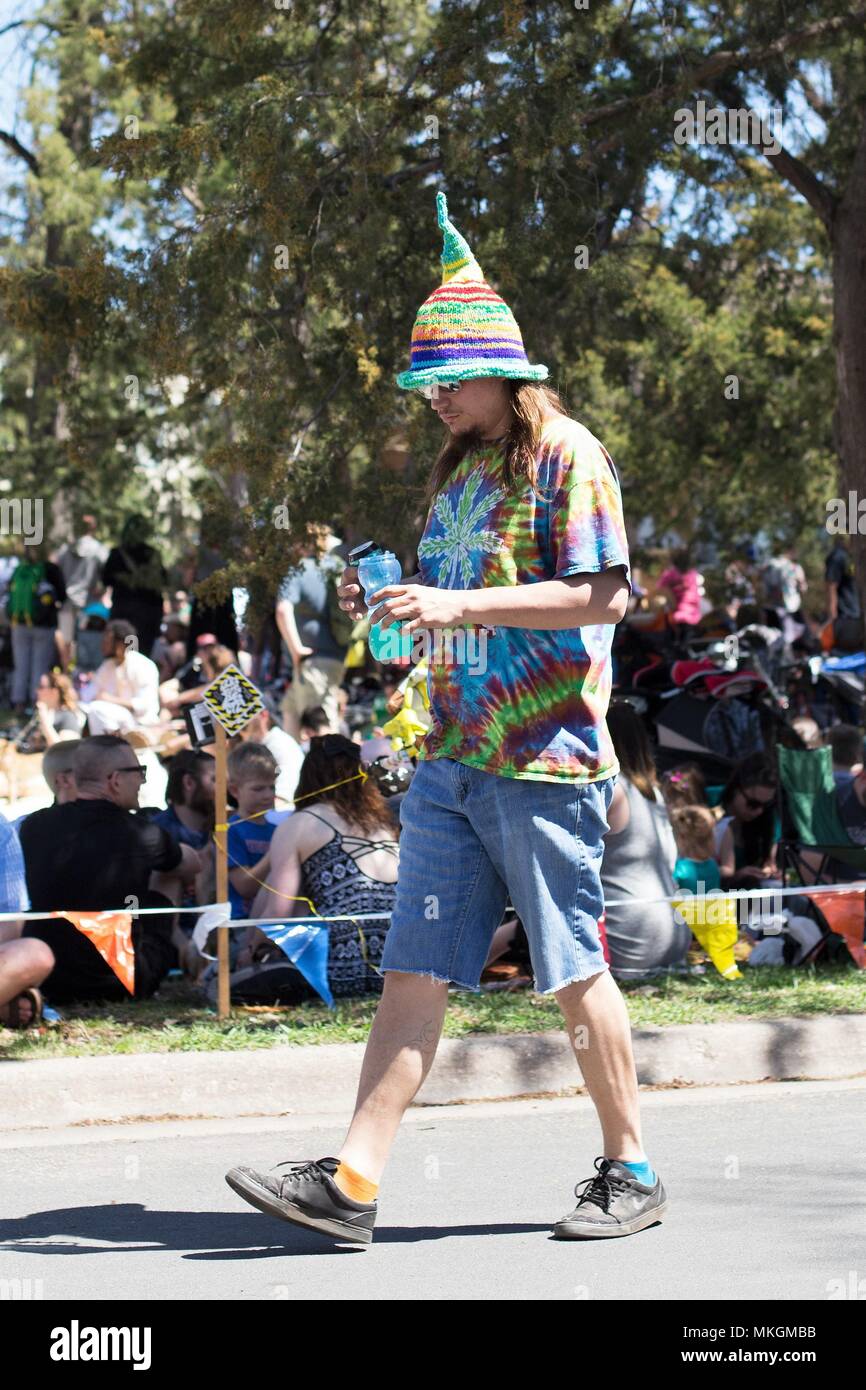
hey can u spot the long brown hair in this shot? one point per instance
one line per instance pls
(333, 758)
(633, 748)
(67, 695)
(757, 836)
(530, 404)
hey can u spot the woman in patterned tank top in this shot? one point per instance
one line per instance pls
(337, 856)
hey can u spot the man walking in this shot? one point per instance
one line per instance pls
(524, 540)
(304, 621)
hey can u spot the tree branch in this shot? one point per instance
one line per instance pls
(412, 172)
(30, 24)
(191, 194)
(819, 197)
(728, 60)
(15, 145)
(813, 96)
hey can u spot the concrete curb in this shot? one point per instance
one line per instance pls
(323, 1079)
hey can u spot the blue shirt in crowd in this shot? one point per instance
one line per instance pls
(248, 840)
(13, 880)
(170, 821)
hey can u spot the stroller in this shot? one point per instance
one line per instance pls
(715, 716)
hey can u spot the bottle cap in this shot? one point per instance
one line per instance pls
(365, 551)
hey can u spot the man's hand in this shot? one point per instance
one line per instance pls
(418, 606)
(298, 656)
(350, 594)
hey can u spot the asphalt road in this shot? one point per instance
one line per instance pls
(766, 1185)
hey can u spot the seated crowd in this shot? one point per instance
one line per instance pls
(132, 825)
(96, 848)
(674, 834)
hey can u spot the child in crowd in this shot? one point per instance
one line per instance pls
(697, 868)
(808, 729)
(252, 777)
(697, 873)
(684, 786)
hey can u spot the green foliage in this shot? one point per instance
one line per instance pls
(243, 199)
(716, 391)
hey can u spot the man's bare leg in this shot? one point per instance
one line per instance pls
(600, 1033)
(24, 964)
(400, 1052)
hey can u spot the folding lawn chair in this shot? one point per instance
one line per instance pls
(811, 821)
(810, 816)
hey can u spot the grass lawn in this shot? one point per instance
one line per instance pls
(177, 1021)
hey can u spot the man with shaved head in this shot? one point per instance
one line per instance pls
(58, 769)
(96, 853)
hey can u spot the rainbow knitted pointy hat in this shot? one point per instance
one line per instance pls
(464, 329)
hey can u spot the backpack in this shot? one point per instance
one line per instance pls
(32, 597)
(342, 624)
(141, 576)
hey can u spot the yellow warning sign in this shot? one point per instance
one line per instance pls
(232, 699)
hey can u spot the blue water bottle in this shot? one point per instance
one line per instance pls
(376, 569)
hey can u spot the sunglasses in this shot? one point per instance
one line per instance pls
(431, 392)
(755, 804)
(142, 771)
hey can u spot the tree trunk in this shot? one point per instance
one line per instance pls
(849, 337)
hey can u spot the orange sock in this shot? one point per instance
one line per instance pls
(353, 1184)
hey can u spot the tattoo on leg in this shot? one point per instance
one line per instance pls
(425, 1040)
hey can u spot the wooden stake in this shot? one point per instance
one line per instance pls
(222, 870)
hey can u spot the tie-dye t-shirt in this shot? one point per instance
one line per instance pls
(530, 703)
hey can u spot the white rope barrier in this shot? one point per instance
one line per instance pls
(857, 885)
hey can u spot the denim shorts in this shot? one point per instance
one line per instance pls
(472, 839)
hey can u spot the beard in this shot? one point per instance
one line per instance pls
(470, 437)
(202, 803)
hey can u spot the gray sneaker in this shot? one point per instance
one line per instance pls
(613, 1203)
(308, 1196)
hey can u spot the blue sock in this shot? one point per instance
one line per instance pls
(643, 1171)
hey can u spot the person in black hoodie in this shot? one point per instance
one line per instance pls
(136, 576)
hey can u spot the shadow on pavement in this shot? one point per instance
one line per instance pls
(201, 1235)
